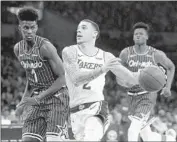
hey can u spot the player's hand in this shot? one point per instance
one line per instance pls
(111, 64)
(166, 92)
(31, 101)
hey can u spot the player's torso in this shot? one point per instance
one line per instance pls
(93, 90)
(38, 70)
(136, 62)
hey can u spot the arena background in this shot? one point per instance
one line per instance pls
(58, 23)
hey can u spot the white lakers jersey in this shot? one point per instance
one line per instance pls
(93, 90)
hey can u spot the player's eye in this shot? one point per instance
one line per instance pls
(33, 27)
(84, 27)
(25, 27)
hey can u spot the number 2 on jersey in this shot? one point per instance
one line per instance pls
(86, 86)
(35, 76)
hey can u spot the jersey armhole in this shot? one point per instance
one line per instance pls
(153, 56)
(40, 45)
(18, 48)
(128, 54)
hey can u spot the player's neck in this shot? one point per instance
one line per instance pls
(141, 49)
(88, 48)
(30, 44)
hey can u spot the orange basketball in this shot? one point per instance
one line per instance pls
(152, 78)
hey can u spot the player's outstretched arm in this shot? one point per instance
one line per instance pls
(49, 52)
(163, 60)
(123, 75)
(78, 77)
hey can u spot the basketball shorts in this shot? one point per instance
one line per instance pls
(141, 106)
(81, 113)
(48, 118)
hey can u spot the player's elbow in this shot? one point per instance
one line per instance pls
(171, 68)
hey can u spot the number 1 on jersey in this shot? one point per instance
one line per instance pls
(35, 76)
(86, 86)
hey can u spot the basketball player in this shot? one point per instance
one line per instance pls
(49, 98)
(135, 58)
(85, 67)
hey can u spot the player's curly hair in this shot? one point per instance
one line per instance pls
(141, 25)
(95, 25)
(27, 14)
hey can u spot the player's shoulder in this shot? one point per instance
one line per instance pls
(108, 56)
(69, 49)
(16, 47)
(159, 53)
(18, 43)
(125, 52)
(43, 41)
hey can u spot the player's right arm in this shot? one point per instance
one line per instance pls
(16, 52)
(123, 75)
(69, 55)
(20, 107)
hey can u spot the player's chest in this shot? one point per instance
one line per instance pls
(30, 61)
(89, 63)
(140, 61)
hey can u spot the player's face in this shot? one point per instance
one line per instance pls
(28, 29)
(85, 32)
(140, 36)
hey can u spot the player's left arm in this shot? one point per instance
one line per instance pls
(161, 58)
(49, 52)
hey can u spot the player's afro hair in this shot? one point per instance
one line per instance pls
(28, 14)
(141, 25)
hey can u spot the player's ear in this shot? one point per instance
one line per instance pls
(147, 35)
(19, 27)
(37, 26)
(95, 34)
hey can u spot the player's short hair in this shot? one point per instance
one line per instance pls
(28, 14)
(141, 25)
(95, 25)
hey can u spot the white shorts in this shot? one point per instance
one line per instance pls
(83, 120)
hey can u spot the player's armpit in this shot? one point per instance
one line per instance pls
(69, 55)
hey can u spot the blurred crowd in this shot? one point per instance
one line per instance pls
(114, 20)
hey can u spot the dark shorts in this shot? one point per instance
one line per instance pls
(141, 105)
(48, 118)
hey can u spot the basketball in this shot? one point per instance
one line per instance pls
(152, 78)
